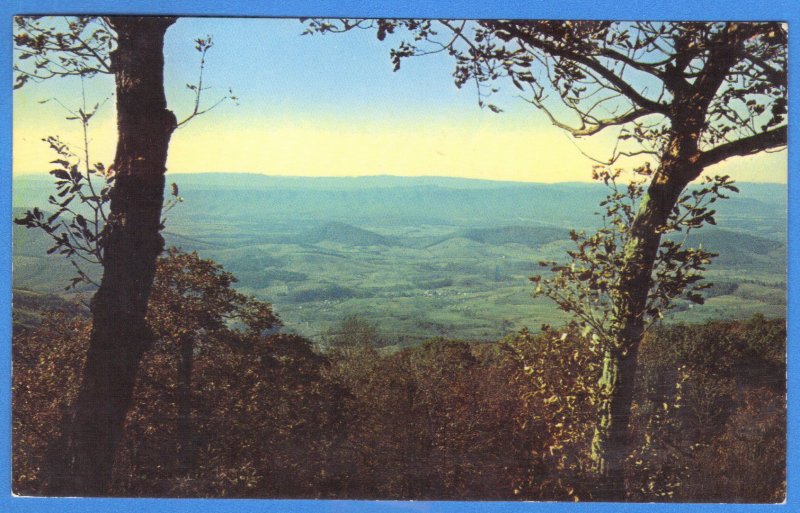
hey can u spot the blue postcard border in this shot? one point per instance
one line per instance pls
(784, 10)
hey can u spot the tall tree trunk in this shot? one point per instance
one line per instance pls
(120, 335)
(679, 164)
(610, 443)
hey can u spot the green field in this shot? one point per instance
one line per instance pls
(420, 257)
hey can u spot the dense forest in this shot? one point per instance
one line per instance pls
(281, 416)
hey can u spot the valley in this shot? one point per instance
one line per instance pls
(419, 257)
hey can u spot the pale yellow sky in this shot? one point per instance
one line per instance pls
(474, 144)
(329, 106)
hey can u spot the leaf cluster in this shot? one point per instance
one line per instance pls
(80, 222)
(562, 370)
(78, 229)
(194, 297)
(48, 47)
(588, 284)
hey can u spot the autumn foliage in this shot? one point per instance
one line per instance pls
(267, 414)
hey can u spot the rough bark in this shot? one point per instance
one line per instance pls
(679, 164)
(120, 335)
(610, 443)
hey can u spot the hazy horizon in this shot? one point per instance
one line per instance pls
(44, 175)
(330, 106)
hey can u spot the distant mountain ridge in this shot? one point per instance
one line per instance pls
(417, 255)
(526, 235)
(760, 209)
(256, 180)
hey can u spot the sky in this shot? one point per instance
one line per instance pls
(328, 106)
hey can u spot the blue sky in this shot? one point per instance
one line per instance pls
(330, 106)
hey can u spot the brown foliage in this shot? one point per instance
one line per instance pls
(710, 418)
(271, 417)
(438, 421)
(563, 369)
(255, 400)
(47, 369)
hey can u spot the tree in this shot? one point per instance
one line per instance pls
(588, 285)
(351, 336)
(120, 335)
(688, 95)
(226, 420)
(130, 48)
(192, 301)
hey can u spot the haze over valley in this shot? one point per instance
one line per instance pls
(418, 256)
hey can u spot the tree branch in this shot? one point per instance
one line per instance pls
(726, 48)
(777, 77)
(106, 65)
(746, 146)
(645, 67)
(594, 126)
(615, 81)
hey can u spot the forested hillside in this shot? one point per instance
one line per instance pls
(449, 419)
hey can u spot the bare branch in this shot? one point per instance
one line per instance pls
(596, 125)
(763, 141)
(608, 75)
(777, 77)
(203, 45)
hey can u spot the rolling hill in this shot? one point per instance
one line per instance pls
(532, 236)
(343, 233)
(418, 256)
